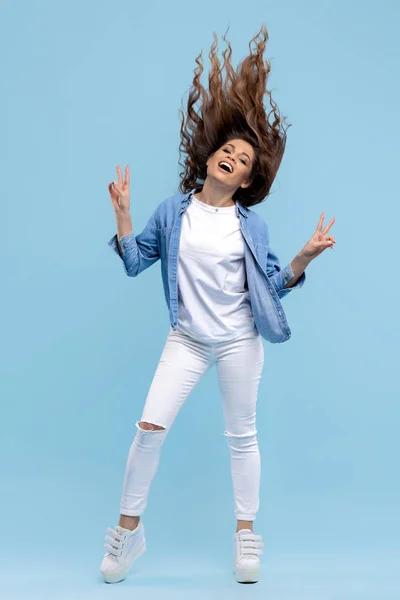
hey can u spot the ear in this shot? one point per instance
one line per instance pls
(246, 184)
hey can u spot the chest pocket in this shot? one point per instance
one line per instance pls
(262, 254)
(163, 237)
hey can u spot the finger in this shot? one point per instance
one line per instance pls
(327, 228)
(320, 223)
(119, 175)
(325, 244)
(113, 194)
(114, 197)
(127, 176)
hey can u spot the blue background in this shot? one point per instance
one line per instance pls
(91, 85)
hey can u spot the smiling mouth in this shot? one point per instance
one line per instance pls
(223, 166)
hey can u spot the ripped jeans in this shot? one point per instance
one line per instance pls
(183, 362)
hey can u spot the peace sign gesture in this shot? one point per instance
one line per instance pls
(319, 241)
(119, 192)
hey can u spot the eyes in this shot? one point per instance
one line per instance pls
(228, 151)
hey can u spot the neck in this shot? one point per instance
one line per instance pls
(215, 195)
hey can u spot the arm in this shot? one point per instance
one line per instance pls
(137, 253)
(285, 280)
(293, 276)
(298, 265)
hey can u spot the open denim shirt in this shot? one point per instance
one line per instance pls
(265, 278)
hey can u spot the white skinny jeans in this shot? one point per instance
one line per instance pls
(183, 362)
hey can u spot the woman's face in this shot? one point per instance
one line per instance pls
(232, 164)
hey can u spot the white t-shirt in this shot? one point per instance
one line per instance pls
(213, 302)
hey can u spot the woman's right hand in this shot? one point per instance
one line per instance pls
(119, 192)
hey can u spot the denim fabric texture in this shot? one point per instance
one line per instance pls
(265, 278)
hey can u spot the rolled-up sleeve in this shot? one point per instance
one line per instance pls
(138, 252)
(278, 276)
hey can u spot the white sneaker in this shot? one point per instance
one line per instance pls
(246, 550)
(123, 548)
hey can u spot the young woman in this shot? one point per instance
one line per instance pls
(223, 287)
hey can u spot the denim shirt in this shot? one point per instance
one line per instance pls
(265, 277)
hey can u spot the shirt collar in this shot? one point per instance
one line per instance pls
(240, 207)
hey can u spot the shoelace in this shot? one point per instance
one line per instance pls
(250, 544)
(117, 541)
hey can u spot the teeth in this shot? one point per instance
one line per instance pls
(227, 164)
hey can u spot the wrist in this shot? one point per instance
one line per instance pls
(302, 260)
(123, 213)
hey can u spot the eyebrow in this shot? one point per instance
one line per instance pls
(241, 152)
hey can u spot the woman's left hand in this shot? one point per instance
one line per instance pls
(319, 241)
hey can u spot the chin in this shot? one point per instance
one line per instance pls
(225, 179)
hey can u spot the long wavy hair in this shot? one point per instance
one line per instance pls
(232, 108)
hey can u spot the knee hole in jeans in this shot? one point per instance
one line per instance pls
(150, 426)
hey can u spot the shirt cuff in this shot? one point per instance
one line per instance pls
(124, 242)
(284, 276)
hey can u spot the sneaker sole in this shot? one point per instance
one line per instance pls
(119, 574)
(247, 575)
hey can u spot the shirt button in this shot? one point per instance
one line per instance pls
(124, 245)
(286, 275)
(216, 210)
